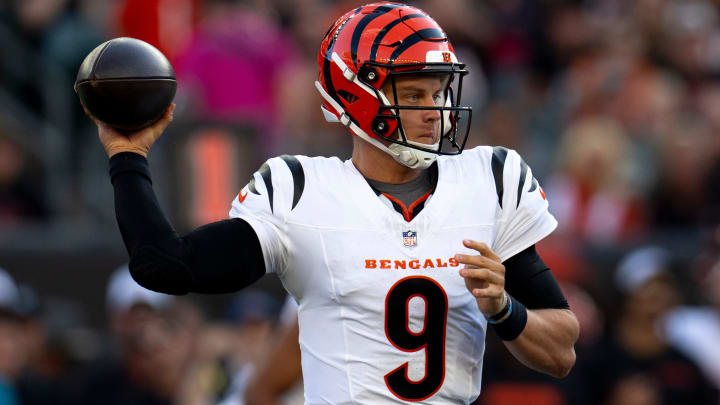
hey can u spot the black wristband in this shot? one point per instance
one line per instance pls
(504, 312)
(129, 162)
(512, 326)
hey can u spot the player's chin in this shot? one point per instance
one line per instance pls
(427, 139)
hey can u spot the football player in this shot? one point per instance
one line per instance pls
(400, 257)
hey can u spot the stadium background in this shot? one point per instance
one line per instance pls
(614, 104)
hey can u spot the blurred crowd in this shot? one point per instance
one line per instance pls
(615, 104)
(155, 349)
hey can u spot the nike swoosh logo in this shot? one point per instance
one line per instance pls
(241, 197)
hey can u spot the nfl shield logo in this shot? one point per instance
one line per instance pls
(410, 239)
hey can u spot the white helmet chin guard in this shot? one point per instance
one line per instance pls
(411, 157)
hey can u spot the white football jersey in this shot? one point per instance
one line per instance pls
(384, 315)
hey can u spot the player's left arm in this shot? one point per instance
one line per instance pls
(543, 334)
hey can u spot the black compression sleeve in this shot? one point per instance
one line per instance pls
(220, 257)
(530, 281)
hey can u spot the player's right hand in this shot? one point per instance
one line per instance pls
(138, 142)
(484, 276)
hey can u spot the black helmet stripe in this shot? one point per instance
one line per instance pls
(381, 35)
(415, 38)
(326, 63)
(360, 27)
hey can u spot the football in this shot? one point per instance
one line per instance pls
(126, 83)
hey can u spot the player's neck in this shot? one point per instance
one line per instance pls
(377, 165)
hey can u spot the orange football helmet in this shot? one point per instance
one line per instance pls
(375, 43)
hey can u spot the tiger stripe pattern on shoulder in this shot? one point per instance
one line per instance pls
(521, 183)
(498, 166)
(298, 175)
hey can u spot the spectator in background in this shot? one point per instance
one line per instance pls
(43, 43)
(687, 37)
(230, 352)
(12, 353)
(233, 73)
(634, 364)
(232, 68)
(695, 330)
(19, 345)
(506, 381)
(303, 127)
(707, 100)
(20, 189)
(592, 196)
(680, 198)
(154, 335)
(165, 24)
(31, 372)
(24, 25)
(278, 380)
(58, 340)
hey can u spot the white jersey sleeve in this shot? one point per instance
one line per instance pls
(523, 218)
(265, 202)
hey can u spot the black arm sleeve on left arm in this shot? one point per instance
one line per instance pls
(529, 280)
(220, 257)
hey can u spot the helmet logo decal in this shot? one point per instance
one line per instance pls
(441, 56)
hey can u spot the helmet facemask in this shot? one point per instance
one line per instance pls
(454, 123)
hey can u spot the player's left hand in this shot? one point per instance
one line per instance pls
(484, 276)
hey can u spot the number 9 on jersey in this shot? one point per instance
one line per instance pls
(431, 338)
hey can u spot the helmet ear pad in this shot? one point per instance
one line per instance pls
(363, 103)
